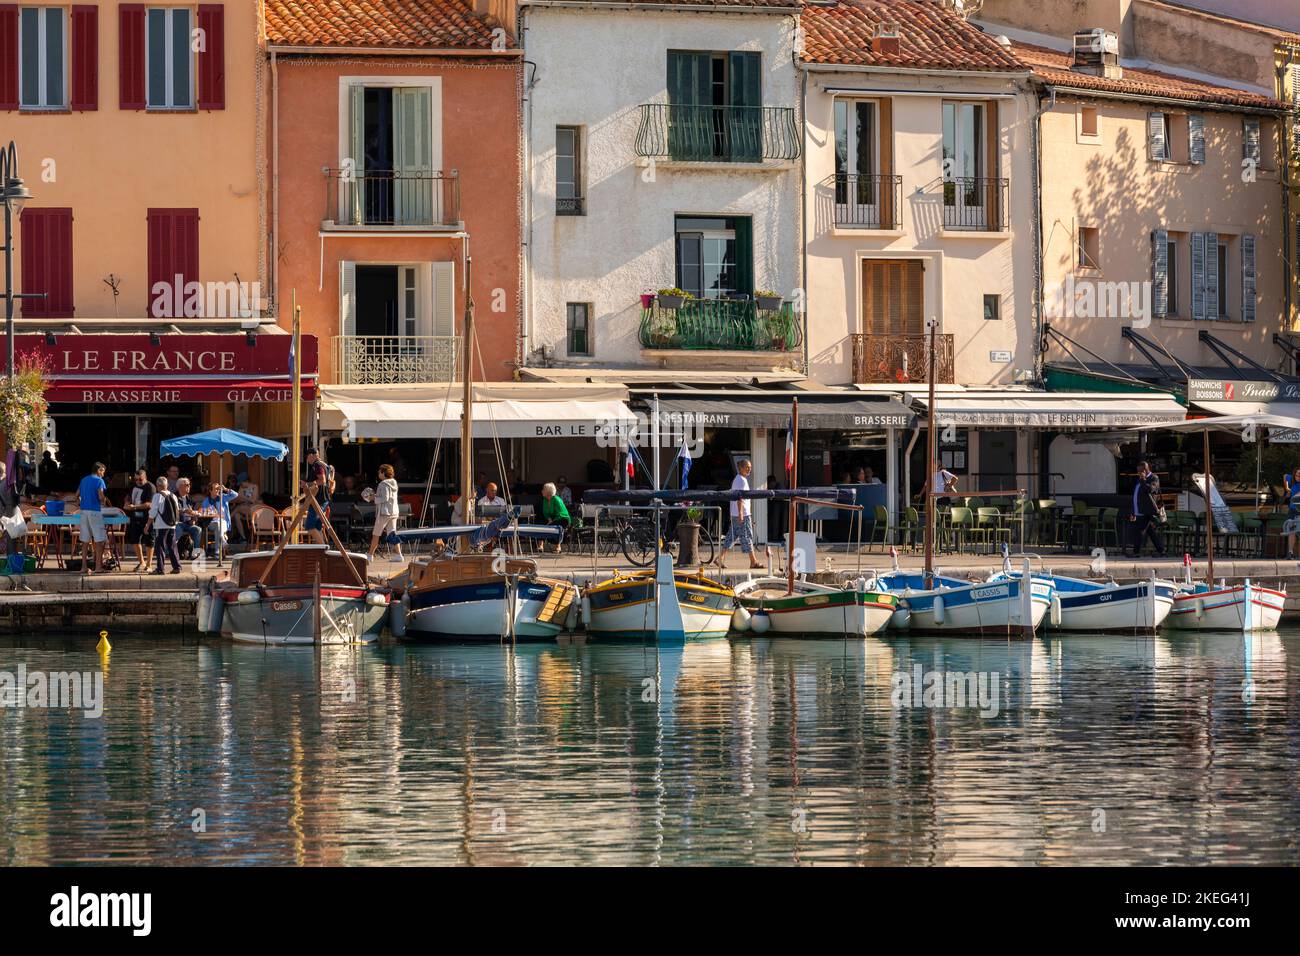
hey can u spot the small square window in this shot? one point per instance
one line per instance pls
(1088, 121)
(992, 307)
(1087, 254)
(579, 328)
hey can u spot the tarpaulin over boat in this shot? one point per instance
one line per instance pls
(669, 496)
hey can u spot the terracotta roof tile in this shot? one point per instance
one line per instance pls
(788, 4)
(1053, 67)
(431, 24)
(934, 37)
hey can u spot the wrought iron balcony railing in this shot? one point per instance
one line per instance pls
(721, 324)
(867, 202)
(379, 199)
(897, 359)
(717, 134)
(975, 204)
(395, 359)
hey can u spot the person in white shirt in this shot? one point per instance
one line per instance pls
(490, 497)
(868, 477)
(386, 510)
(742, 527)
(942, 481)
(164, 516)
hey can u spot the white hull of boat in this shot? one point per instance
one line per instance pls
(815, 609)
(1228, 609)
(479, 620)
(989, 608)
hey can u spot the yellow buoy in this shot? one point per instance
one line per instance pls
(103, 646)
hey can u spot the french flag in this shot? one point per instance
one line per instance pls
(789, 446)
(631, 462)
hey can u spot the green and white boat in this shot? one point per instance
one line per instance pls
(812, 610)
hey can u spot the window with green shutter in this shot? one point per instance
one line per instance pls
(715, 106)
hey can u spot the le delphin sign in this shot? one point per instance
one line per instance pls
(1237, 390)
(163, 369)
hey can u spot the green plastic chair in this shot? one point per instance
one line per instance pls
(989, 520)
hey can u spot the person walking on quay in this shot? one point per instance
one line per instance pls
(742, 523)
(554, 510)
(138, 502)
(386, 510)
(1146, 509)
(93, 501)
(317, 476)
(1292, 498)
(164, 516)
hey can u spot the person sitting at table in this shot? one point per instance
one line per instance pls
(139, 500)
(490, 497)
(93, 500)
(564, 491)
(187, 527)
(867, 476)
(386, 510)
(217, 506)
(241, 511)
(554, 511)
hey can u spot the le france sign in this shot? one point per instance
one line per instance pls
(139, 368)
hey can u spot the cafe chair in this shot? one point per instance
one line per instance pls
(989, 521)
(264, 522)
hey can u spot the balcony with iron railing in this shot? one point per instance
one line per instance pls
(718, 134)
(721, 325)
(975, 204)
(897, 358)
(395, 359)
(867, 202)
(388, 200)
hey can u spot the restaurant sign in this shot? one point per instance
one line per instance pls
(168, 368)
(1235, 390)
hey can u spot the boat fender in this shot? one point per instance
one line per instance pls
(216, 614)
(376, 598)
(901, 618)
(1056, 610)
(406, 600)
(860, 585)
(204, 611)
(250, 596)
(1199, 607)
(760, 623)
(586, 611)
(938, 609)
(397, 618)
(740, 619)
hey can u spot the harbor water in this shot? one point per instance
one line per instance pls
(1062, 750)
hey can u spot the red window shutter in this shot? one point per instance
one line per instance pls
(212, 62)
(130, 57)
(173, 251)
(45, 245)
(85, 58)
(8, 56)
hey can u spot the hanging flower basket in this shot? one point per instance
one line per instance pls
(22, 401)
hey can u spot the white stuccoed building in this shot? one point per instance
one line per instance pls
(662, 150)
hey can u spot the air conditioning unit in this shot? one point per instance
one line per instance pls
(1096, 52)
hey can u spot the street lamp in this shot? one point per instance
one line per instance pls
(13, 192)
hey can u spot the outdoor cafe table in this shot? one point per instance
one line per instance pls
(60, 525)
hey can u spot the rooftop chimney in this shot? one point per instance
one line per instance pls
(1096, 52)
(887, 39)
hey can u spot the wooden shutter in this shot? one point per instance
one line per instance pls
(1159, 272)
(1156, 136)
(744, 229)
(8, 56)
(85, 58)
(413, 155)
(1247, 277)
(690, 127)
(1198, 275)
(745, 126)
(892, 296)
(212, 61)
(1212, 275)
(46, 248)
(444, 298)
(347, 298)
(173, 251)
(130, 56)
(1196, 138)
(1250, 140)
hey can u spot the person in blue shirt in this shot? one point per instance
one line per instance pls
(94, 500)
(217, 503)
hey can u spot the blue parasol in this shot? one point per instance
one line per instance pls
(224, 441)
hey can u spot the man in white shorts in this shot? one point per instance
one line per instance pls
(93, 502)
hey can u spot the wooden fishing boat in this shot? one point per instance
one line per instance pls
(624, 607)
(813, 610)
(1104, 606)
(1224, 607)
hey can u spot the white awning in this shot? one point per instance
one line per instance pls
(1283, 409)
(385, 420)
(1056, 410)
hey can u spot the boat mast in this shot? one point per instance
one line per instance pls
(295, 398)
(467, 411)
(1209, 512)
(930, 497)
(794, 483)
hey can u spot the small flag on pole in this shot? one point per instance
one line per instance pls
(789, 446)
(631, 462)
(685, 459)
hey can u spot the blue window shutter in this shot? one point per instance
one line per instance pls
(1159, 271)
(1156, 136)
(1212, 275)
(1196, 138)
(1247, 277)
(1198, 275)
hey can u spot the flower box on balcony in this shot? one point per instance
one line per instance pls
(672, 298)
(768, 301)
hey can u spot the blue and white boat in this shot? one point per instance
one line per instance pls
(1104, 606)
(980, 608)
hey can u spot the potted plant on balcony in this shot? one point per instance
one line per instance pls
(673, 298)
(769, 301)
(647, 300)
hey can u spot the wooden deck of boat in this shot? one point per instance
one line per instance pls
(558, 603)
